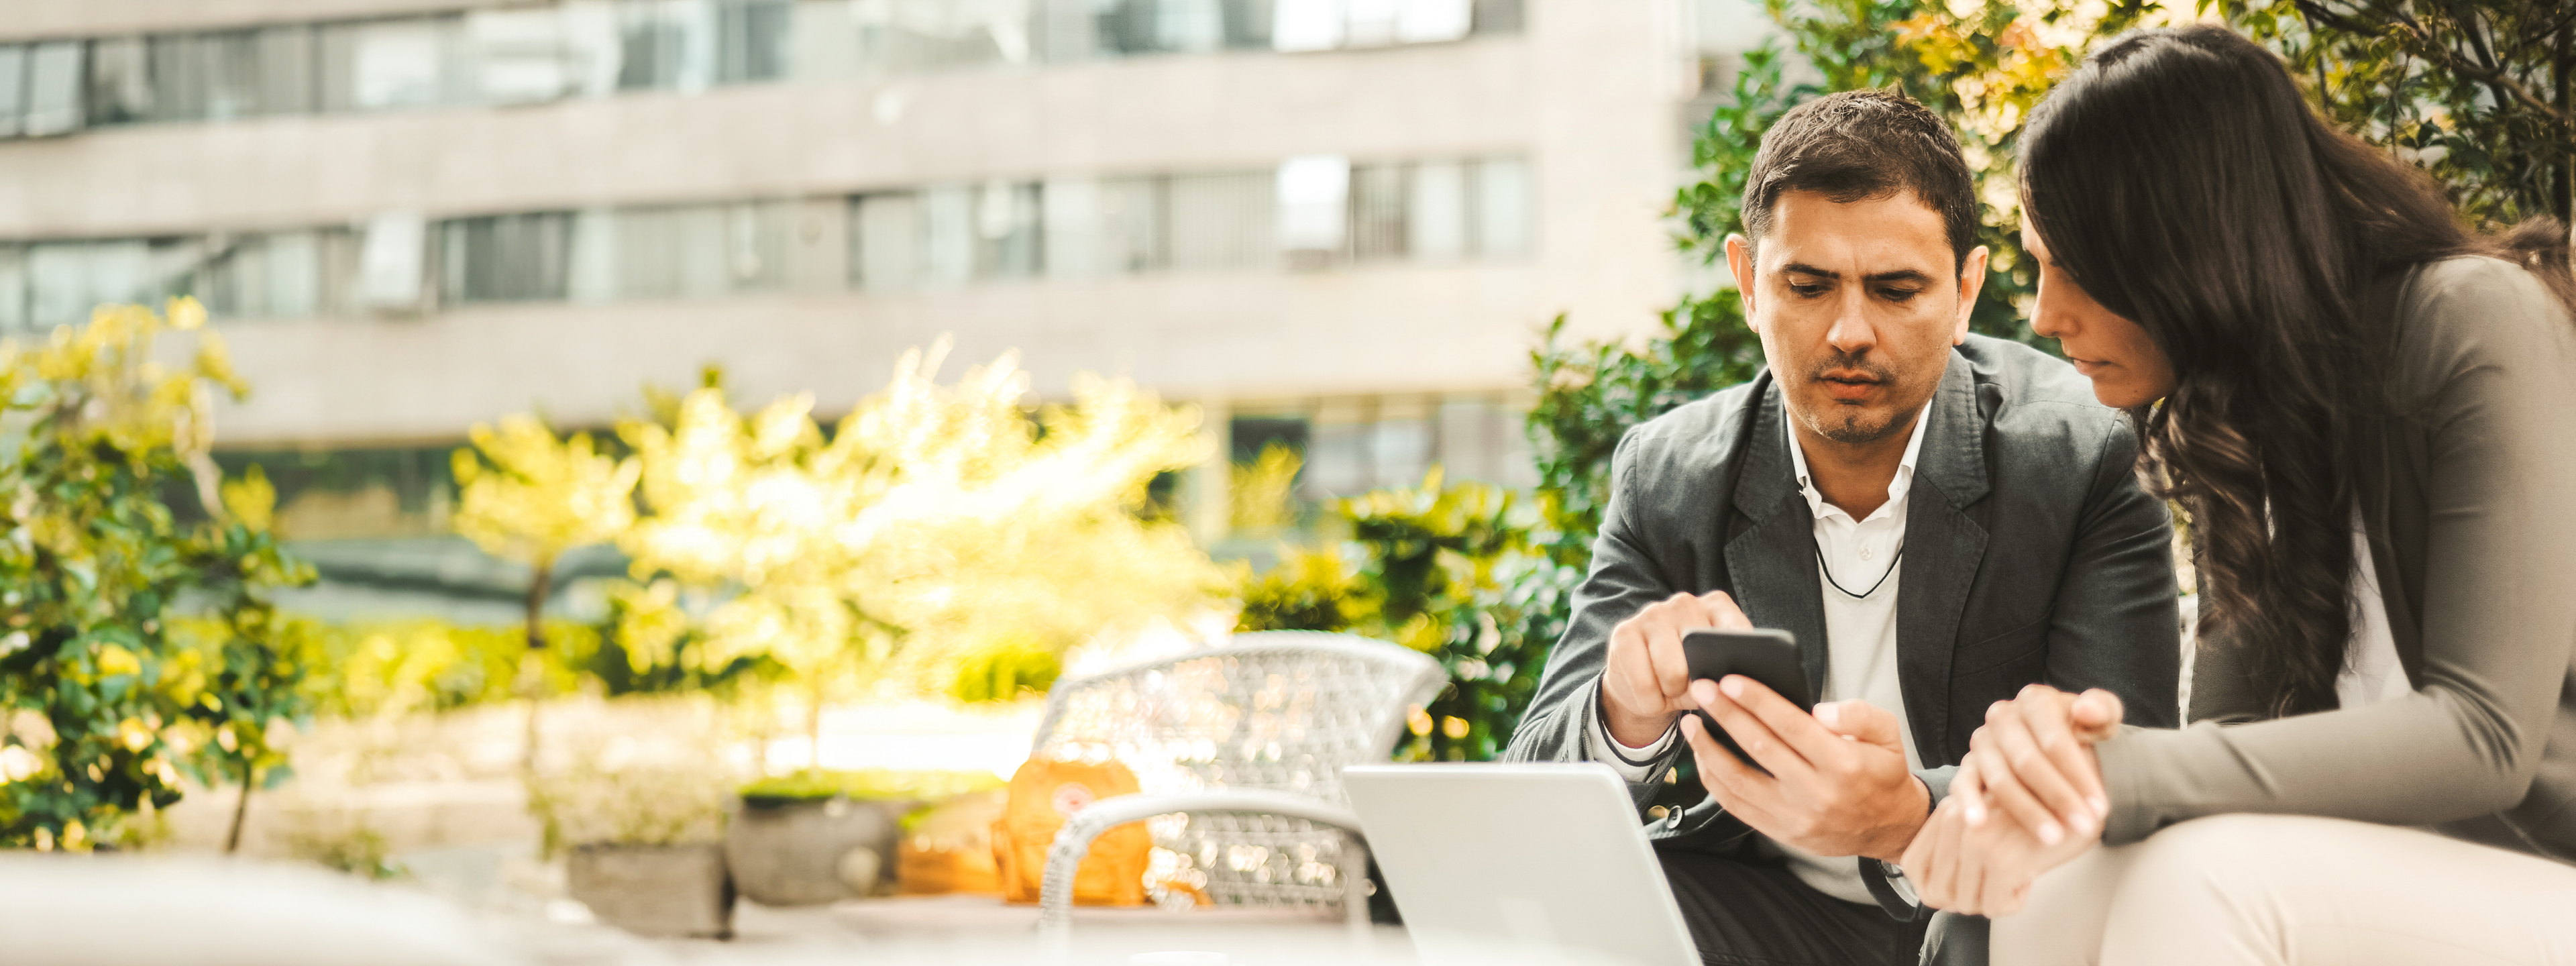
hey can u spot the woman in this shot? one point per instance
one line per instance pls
(2365, 408)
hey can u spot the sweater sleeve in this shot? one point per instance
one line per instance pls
(2489, 356)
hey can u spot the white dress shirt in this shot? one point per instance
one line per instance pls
(1859, 557)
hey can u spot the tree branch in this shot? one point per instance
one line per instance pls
(2419, 39)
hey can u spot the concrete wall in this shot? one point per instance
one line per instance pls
(1587, 94)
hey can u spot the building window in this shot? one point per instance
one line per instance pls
(46, 284)
(947, 235)
(1378, 211)
(679, 251)
(753, 40)
(1223, 221)
(54, 89)
(505, 258)
(277, 275)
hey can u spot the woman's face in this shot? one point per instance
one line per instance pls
(2126, 367)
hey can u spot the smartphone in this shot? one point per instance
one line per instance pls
(1768, 656)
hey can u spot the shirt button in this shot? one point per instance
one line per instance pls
(1865, 551)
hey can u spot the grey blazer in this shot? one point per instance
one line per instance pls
(2030, 555)
(2471, 515)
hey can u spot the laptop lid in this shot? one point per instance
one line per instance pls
(1519, 856)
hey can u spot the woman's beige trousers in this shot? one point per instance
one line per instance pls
(2280, 889)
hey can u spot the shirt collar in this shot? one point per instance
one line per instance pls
(1896, 488)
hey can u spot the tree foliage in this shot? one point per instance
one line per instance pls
(139, 648)
(951, 520)
(2481, 93)
(1459, 571)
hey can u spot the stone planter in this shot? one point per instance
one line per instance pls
(802, 852)
(654, 890)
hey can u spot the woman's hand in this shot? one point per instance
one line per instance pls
(2034, 761)
(1984, 868)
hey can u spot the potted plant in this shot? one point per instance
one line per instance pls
(641, 834)
(820, 836)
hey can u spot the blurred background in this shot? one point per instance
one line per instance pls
(1332, 226)
(467, 442)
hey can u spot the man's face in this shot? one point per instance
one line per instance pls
(1857, 305)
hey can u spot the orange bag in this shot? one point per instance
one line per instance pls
(1043, 793)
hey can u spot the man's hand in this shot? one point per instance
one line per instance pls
(1646, 683)
(1838, 783)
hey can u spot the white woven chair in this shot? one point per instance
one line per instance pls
(1238, 752)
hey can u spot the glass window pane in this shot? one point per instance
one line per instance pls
(593, 274)
(1436, 223)
(13, 288)
(232, 282)
(1303, 25)
(697, 246)
(178, 75)
(825, 39)
(1370, 23)
(1377, 212)
(757, 242)
(1221, 221)
(1313, 195)
(593, 47)
(947, 235)
(906, 37)
(518, 56)
(54, 88)
(1497, 17)
(286, 65)
(667, 44)
(1504, 221)
(1133, 231)
(887, 243)
(1070, 217)
(505, 258)
(1433, 21)
(1188, 26)
(1247, 24)
(398, 63)
(341, 251)
(120, 81)
(294, 274)
(392, 262)
(231, 66)
(752, 40)
(1006, 230)
(13, 91)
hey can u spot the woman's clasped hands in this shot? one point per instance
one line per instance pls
(2027, 798)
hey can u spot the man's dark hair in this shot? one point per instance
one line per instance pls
(1857, 145)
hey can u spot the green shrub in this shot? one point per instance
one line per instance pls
(106, 699)
(867, 784)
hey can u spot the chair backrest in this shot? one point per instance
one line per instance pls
(1280, 710)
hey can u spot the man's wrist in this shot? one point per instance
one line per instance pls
(1637, 733)
(1631, 731)
(1889, 847)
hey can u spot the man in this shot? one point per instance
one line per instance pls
(1939, 518)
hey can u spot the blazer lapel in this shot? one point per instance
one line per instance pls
(1943, 548)
(1773, 562)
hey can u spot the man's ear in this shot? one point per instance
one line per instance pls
(1739, 258)
(1972, 279)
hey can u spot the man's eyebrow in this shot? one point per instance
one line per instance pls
(1899, 275)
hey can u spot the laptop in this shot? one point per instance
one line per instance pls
(1528, 858)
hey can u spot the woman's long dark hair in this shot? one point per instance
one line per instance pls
(2181, 180)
